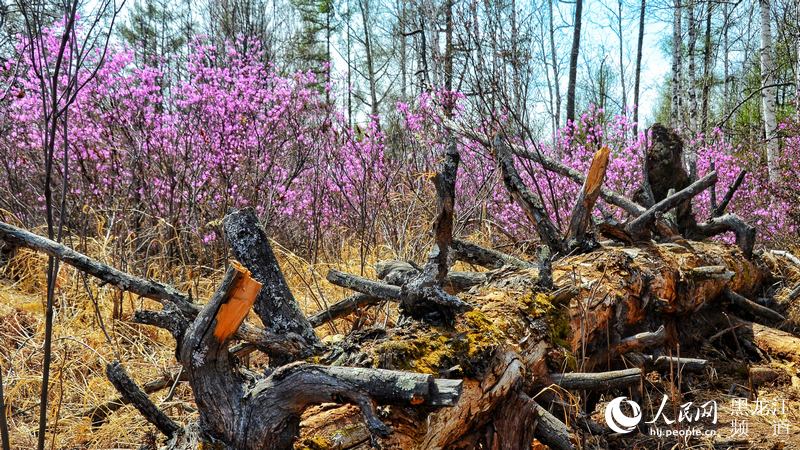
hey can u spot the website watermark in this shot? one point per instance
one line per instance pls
(690, 419)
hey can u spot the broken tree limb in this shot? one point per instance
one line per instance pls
(635, 343)
(140, 286)
(485, 257)
(597, 380)
(638, 225)
(154, 290)
(99, 413)
(530, 204)
(342, 308)
(664, 362)
(134, 395)
(364, 285)
(551, 165)
(552, 431)
(745, 304)
(275, 304)
(445, 182)
(584, 205)
(720, 209)
(745, 233)
(399, 273)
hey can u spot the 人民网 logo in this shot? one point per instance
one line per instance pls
(617, 420)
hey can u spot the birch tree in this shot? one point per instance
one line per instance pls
(768, 91)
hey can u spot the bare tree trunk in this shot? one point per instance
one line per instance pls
(373, 89)
(554, 62)
(676, 106)
(691, 45)
(768, 92)
(638, 68)
(707, 68)
(621, 58)
(573, 61)
(726, 63)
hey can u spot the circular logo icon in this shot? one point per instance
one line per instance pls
(618, 420)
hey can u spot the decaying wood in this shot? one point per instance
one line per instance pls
(720, 209)
(485, 257)
(598, 380)
(530, 204)
(638, 225)
(134, 395)
(275, 305)
(472, 352)
(777, 343)
(587, 197)
(754, 308)
(445, 182)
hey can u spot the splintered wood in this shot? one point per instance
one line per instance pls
(241, 297)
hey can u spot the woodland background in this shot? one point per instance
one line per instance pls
(127, 130)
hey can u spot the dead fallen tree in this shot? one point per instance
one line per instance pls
(476, 356)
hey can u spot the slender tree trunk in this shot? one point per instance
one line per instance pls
(573, 61)
(726, 64)
(691, 45)
(554, 61)
(767, 92)
(675, 111)
(373, 90)
(403, 50)
(707, 68)
(621, 58)
(638, 68)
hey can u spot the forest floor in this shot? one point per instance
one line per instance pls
(91, 329)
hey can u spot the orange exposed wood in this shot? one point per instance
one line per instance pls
(241, 297)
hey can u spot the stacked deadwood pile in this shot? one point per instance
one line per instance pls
(471, 359)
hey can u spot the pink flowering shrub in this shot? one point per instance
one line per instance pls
(162, 152)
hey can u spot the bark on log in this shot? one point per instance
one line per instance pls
(584, 205)
(275, 305)
(266, 415)
(598, 380)
(485, 257)
(134, 395)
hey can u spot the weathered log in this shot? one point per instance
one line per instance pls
(581, 215)
(364, 285)
(399, 273)
(485, 257)
(134, 395)
(275, 305)
(598, 380)
(530, 204)
(342, 308)
(776, 343)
